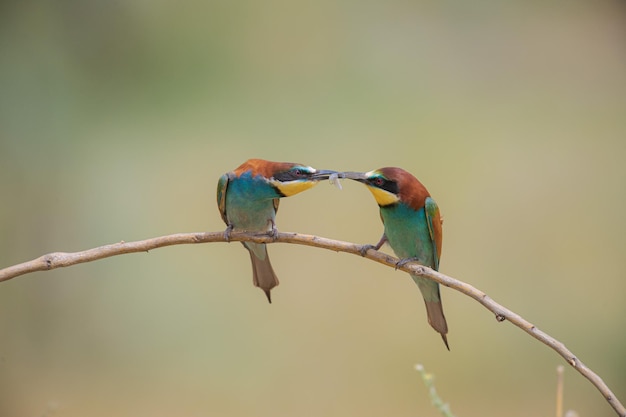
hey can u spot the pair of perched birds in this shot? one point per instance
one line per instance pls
(248, 199)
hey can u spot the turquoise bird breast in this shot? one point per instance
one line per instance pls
(407, 232)
(250, 202)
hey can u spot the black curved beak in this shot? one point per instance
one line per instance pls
(356, 176)
(324, 174)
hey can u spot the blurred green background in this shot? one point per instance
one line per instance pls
(117, 118)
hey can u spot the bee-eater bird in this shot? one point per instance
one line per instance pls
(248, 199)
(412, 225)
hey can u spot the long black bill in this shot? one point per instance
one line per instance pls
(324, 174)
(356, 176)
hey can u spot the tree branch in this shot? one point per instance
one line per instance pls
(62, 259)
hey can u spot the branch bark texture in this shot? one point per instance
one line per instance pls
(62, 259)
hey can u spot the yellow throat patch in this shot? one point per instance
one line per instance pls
(290, 188)
(383, 197)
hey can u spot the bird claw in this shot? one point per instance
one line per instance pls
(273, 232)
(227, 232)
(404, 261)
(364, 248)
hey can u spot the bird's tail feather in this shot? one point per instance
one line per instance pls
(263, 273)
(437, 320)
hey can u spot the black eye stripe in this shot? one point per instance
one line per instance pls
(385, 184)
(292, 175)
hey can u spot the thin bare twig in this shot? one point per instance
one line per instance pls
(559, 390)
(61, 259)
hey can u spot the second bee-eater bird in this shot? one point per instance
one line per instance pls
(248, 199)
(413, 229)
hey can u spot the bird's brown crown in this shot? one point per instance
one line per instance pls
(262, 167)
(408, 188)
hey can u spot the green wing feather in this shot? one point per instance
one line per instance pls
(222, 185)
(433, 219)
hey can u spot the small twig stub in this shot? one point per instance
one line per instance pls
(59, 259)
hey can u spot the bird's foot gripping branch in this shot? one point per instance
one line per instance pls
(61, 259)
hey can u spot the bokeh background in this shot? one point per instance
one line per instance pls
(117, 118)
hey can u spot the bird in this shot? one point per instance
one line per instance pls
(412, 227)
(248, 199)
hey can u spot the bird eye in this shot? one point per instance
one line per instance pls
(298, 172)
(378, 181)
